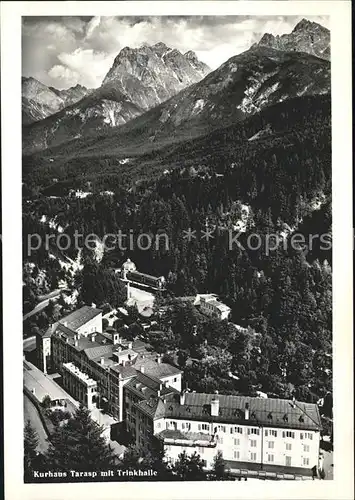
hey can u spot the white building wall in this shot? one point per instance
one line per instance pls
(94, 325)
(212, 310)
(303, 448)
(46, 350)
(173, 381)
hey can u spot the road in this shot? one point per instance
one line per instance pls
(31, 414)
(44, 303)
(29, 344)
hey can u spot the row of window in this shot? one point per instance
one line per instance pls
(239, 430)
(270, 458)
(270, 444)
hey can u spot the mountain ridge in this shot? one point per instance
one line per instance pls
(242, 86)
(40, 101)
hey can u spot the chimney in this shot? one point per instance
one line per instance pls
(215, 407)
(159, 393)
(246, 411)
(76, 342)
(65, 323)
(142, 369)
(119, 349)
(33, 390)
(116, 338)
(79, 335)
(93, 336)
(182, 398)
(130, 345)
(159, 359)
(102, 361)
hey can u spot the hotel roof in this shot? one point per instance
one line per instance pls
(266, 412)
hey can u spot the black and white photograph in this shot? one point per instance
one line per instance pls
(177, 186)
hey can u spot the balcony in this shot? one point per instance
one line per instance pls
(178, 438)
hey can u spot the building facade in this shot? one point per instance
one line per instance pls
(251, 433)
(129, 274)
(130, 382)
(212, 307)
(95, 365)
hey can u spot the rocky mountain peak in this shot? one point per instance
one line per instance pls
(304, 24)
(191, 55)
(151, 74)
(266, 39)
(160, 47)
(307, 36)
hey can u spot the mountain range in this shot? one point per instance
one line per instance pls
(155, 95)
(138, 80)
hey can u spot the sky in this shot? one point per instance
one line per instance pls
(64, 51)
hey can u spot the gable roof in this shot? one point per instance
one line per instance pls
(78, 318)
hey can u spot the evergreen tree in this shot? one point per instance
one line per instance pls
(79, 445)
(189, 467)
(30, 449)
(219, 470)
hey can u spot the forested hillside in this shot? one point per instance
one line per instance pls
(271, 174)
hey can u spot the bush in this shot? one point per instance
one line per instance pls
(46, 402)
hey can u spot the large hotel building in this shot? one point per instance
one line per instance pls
(129, 381)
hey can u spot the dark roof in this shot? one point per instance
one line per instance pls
(126, 371)
(143, 275)
(142, 380)
(158, 370)
(153, 407)
(267, 412)
(146, 386)
(79, 317)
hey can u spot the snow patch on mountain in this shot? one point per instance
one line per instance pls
(199, 105)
